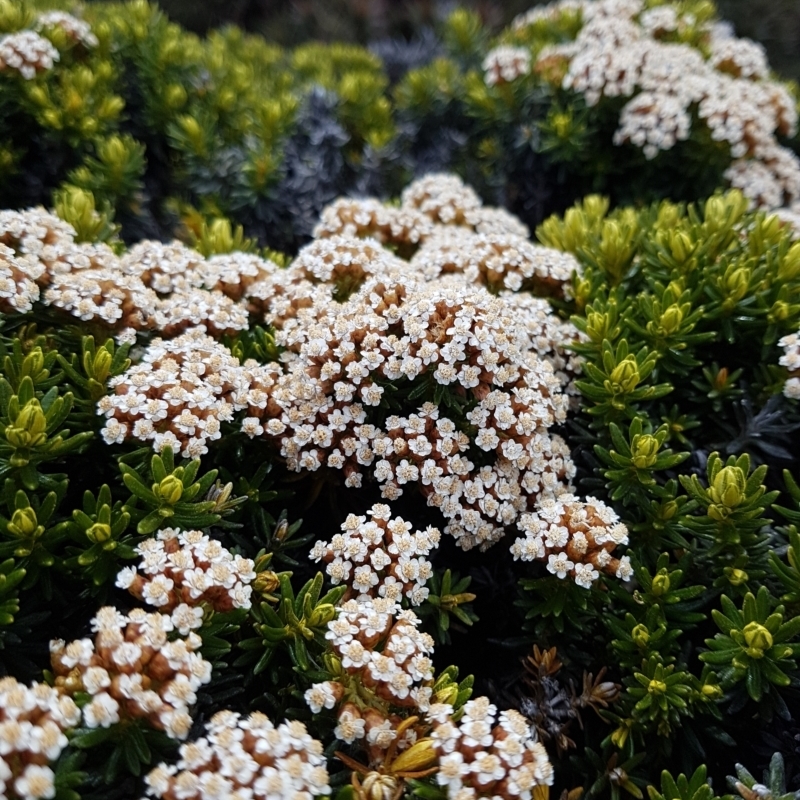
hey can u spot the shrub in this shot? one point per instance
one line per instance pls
(604, 415)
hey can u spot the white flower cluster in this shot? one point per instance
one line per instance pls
(27, 53)
(182, 570)
(791, 360)
(499, 261)
(405, 228)
(443, 197)
(76, 29)
(133, 669)
(380, 645)
(458, 338)
(380, 557)
(32, 724)
(574, 538)
(505, 64)
(369, 218)
(167, 287)
(36, 246)
(626, 50)
(486, 754)
(244, 759)
(178, 395)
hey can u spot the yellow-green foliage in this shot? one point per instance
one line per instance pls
(155, 114)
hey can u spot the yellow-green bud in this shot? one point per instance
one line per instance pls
(758, 639)
(735, 285)
(597, 326)
(644, 449)
(98, 533)
(596, 207)
(194, 133)
(640, 636)
(789, 268)
(101, 365)
(170, 490)
(779, 312)
(33, 363)
(657, 687)
(728, 487)
(661, 584)
(175, 96)
(668, 216)
(669, 509)
(29, 428)
(447, 694)
(681, 246)
(625, 376)
(24, 524)
(736, 577)
(322, 615)
(671, 319)
(711, 691)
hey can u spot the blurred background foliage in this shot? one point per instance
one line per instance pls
(775, 23)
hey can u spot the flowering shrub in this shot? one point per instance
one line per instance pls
(566, 466)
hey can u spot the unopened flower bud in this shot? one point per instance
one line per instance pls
(170, 490)
(789, 268)
(728, 488)
(625, 376)
(322, 615)
(266, 582)
(661, 584)
(24, 524)
(681, 246)
(376, 786)
(736, 577)
(779, 312)
(33, 363)
(644, 450)
(98, 533)
(29, 428)
(758, 639)
(711, 691)
(657, 687)
(101, 365)
(640, 636)
(671, 319)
